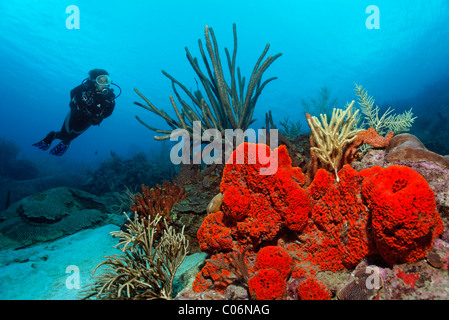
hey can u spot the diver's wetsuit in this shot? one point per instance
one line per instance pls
(87, 107)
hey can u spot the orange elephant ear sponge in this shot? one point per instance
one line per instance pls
(404, 217)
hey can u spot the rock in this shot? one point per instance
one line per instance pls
(19, 189)
(434, 260)
(49, 215)
(191, 210)
(408, 147)
(189, 294)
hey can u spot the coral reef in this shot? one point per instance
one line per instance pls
(329, 226)
(409, 147)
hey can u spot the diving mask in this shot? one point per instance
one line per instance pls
(103, 80)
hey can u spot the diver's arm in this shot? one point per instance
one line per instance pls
(76, 102)
(77, 91)
(107, 108)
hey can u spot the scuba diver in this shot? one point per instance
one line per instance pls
(90, 102)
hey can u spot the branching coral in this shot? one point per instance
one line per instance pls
(147, 269)
(329, 140)
(228, 106)
(335, 144)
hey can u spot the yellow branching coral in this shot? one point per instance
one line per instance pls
(330, 139)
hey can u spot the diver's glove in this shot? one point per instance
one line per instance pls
(60, 149)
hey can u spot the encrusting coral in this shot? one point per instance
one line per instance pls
(147, 268)
(328, 226)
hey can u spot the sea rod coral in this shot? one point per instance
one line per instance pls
(225, 105)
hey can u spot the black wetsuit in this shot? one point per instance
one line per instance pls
(87, 108)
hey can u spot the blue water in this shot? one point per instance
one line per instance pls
(323, 43)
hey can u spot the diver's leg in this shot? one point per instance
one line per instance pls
(73, 126)
(65, 135)
(45, 143)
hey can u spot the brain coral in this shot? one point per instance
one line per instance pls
(403, 213)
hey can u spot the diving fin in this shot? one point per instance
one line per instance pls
(42, 145)
(45, 143)
(60, 149)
